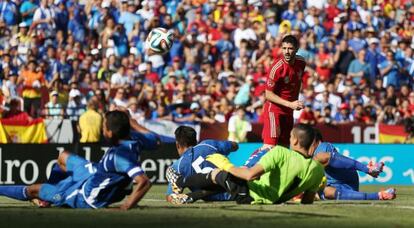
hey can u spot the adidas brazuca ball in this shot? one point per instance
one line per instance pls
(159, 40)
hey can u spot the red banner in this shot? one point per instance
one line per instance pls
(344, 133)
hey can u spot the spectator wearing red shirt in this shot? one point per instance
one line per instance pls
(331, 11)
(283, 85)
(198, 22)
(150, 75)
(307, 116)
(324, 63)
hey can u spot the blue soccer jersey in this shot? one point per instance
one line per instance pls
(193, 161)
(148, 141)
(337, 176)
(113, 177)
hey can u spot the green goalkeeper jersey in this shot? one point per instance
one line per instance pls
(287, 173)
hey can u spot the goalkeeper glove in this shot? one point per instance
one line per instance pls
(221, 161)
(322, 185)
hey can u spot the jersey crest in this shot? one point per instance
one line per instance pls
(286, 79)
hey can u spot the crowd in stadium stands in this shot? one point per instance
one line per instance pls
(56, 55)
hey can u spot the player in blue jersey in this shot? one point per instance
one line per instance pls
(341, 174)
(78, 183)
(192, 161)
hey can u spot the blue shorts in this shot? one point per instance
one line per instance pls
(340, 186)
(66, 191)
(344, 186)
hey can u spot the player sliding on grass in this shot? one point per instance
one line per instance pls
(278, 176)
(342, 176)
(192, 161)
(78, 183)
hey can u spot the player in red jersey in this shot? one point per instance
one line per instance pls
(282, 91)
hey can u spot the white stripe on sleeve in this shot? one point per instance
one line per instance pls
(134, 171)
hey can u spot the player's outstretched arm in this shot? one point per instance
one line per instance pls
(337, 160)
(223, 163)
(247, 173)
(143, 184)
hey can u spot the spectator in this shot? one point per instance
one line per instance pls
(343, 57)
(390, 70)
(388, 115)
(43, 21)
(15, 111)
(54, 110)
(90, 123)
(27, 10)
(307, 116)
(120, 98)
(9, 13)
(324, 63)
(75, 106)
(9, 87)
(32, 81)
(239, 126)
(373, 57)
(358, 69)
(344, 115)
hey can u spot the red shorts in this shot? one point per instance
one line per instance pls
(276, 128)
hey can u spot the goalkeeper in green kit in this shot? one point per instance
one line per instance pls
(278, 176)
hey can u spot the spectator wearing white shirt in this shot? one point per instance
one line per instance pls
(120, 98)
(9, 87)
(244, 32)
(43, 20)
(119, 79)
(146, 12)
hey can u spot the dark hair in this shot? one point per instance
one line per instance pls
(118, 123)
(409, 125)
(291, 40)
(185, 136)
(305, 133)
(318, 135)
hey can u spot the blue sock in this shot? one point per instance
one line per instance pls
(344, 194)
(56, 175)
(339, 161)
(14, 191)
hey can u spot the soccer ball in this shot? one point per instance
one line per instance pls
(159, 40)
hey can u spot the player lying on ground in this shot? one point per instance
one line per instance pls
(192, 161)
(78, 183)
(278, 176)
(341, 174)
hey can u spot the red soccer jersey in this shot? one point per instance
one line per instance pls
(285, 80)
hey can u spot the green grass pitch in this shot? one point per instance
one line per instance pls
(155, 212)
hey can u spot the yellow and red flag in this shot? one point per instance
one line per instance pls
(391, 133)
(21, 128)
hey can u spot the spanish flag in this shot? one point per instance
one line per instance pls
(21, 129)
(391, 133)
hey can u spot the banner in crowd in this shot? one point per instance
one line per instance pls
(398, 160)
(32, 163)
(23, 130)
(340, 133)
(165, 129)
(391, 133)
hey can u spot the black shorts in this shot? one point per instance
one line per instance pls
(235, 186)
